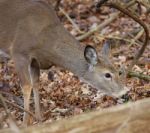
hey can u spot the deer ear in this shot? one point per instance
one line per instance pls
(90, 55)
(106, 50)
(122, 72)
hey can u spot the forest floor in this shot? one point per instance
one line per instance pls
(62, 94)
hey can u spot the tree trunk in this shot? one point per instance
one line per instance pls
(127, 118)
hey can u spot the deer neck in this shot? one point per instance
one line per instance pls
(66, 52)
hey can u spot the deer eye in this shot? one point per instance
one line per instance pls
(108, 75)
(120, 73)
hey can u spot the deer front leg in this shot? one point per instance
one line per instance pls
(35, 73)
(37, 103)
(22, 67)
(26, 94)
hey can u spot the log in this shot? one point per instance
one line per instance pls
(128, 118)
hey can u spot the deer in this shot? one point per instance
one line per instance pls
(32, 35)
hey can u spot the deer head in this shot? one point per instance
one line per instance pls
(101, 73)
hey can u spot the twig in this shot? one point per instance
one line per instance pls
(117, 38)
(101, 2)
(136, 37)
(139, 75)
(12, 124)
(3, 118)
(19, 107)
(10, 96)
(112, 17)
(147, 5)
(71, 21)
(130, 34)
(57, 5)
(104, 24)
(127, 12)
(4, 105)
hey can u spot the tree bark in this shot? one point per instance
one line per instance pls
(128, 118)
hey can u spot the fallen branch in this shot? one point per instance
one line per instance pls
(11, 122)
(71, 21)
(99, 27)
(20, 108)
(139, 75)
(105, 23)
(116, 38)
(11, 96)
(57, 5)
(135, 18)
(101, 2)
(127, 118)
(15, 105)
(136, 37)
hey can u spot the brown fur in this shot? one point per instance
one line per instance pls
(31, 33)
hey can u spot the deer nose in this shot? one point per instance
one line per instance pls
(121, 93)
